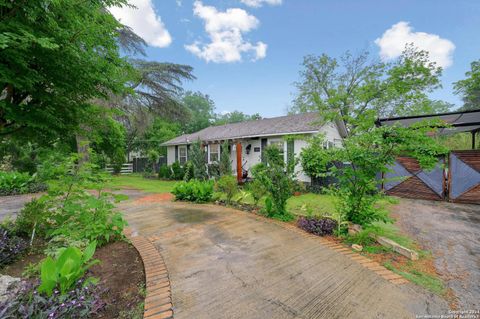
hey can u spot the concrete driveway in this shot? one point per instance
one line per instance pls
(452, 233)
(225, 263)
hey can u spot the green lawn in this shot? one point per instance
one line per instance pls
(138, 182)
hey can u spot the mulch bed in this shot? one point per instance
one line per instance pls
(155, 198)
(122, 274)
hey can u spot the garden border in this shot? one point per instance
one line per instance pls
(158, 298)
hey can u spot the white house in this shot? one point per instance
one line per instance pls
(248, 139)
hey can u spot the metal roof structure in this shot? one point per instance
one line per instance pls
(460, 121)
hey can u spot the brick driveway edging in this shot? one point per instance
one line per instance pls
(158, 299)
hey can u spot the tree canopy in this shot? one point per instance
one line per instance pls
(469, 88)
(57, 57)
(353, 84)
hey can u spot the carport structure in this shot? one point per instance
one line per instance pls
(459, 122)
(456, 177)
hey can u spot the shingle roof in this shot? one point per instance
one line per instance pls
(290, 124)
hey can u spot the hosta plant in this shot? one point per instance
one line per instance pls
(194, 191)
(62, 273)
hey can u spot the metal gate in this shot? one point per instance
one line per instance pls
(464, 176)
(408, 179)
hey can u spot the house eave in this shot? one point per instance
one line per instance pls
(243, 137)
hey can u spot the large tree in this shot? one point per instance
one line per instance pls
(200, 109)
(469, 88)
(354, 84)
(56, 58)
(235, 117)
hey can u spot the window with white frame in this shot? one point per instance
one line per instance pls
(214, 153)
(182, 154)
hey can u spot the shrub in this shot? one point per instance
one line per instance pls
(87, 217)
(64, 272)
(69, 210)
(13, 183)
(194, 191)
(227, 184)
(276, 180)
(214, 170)
(177, 171)
(83, 301)
(257, 190)
(225, 164)
(198, 157)
(189, 171)
(32, 217)
(164, 172)
(11, 246)
(318, 226)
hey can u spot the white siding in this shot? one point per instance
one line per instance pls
(297, 147)
(170, 155)
(330, 131)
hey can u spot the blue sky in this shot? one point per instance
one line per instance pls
(246, 54)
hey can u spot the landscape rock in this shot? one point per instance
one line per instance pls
(7, 284)
(357, 247)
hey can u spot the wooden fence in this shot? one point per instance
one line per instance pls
(127, 168)
(455, 178)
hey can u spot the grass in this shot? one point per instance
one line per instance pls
(138, 182)
(418, 277)
(319, 203)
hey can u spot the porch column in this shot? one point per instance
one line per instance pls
(239, 162)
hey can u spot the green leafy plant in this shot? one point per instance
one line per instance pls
(164, 172)
(189, 171)
(257, 190)
(198, 157)
(242, 196)
(13, 183)
(225, 164)
(194, 191)
(64, 271)
(177, 171)
(276, 180)
(228, 185)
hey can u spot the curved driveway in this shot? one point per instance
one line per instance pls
(229, 264)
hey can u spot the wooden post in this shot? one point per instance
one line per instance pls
(239, 162)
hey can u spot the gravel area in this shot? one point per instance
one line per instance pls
(452, 233)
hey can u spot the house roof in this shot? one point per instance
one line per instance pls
(283, 125)
(460, 121)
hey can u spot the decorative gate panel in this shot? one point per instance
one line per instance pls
(465, 177)
(407, 179)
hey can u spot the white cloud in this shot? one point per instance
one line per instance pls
(225, 30)
(393, 42)
(144, 22)
(259, 3)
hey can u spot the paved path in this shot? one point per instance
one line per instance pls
(452, 233)
(10, 206)
(229, 264)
